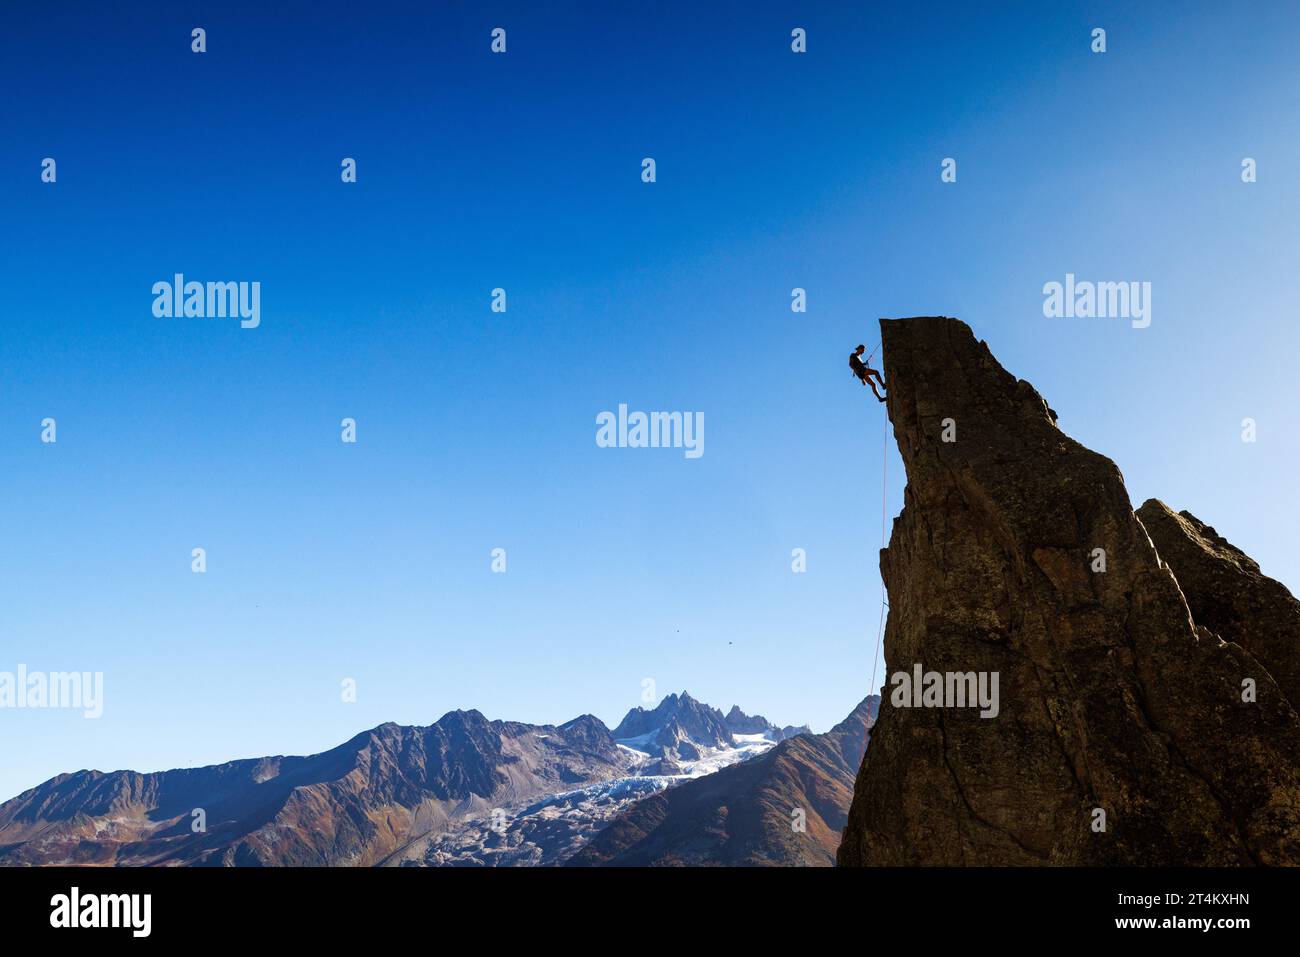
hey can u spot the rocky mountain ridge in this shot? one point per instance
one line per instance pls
(449, 792)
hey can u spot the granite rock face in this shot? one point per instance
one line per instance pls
(1113, 706)
(1227, 594)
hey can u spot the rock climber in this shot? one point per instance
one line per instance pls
(865, 372)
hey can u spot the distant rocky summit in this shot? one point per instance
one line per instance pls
(676, 718)
(738, 722)
(1146, 669)
(681, 729)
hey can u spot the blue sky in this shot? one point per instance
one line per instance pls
(476, 430)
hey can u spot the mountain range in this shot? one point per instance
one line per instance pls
(462, 791)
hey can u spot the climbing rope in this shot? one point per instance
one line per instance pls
(884, 499)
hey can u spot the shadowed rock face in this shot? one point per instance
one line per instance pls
(1110, 697)
(1227, 594)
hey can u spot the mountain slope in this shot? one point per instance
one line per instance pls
(743, 814)
(352, 805)
(1112, 701)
